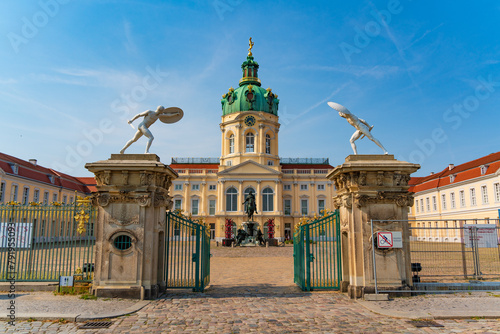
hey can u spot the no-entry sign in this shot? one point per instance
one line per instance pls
(389, 239)
(384, 239)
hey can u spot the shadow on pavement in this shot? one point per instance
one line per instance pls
(257, 290)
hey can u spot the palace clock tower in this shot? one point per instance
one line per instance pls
(250, 121)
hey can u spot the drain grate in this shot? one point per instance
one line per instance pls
(424, 323)
(95, 325)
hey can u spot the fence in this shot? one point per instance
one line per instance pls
(455, 250)
(187, 260)
(41, 243)
(316, 251)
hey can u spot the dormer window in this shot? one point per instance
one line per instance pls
(484, 168)
(51, 178)
(452, 178)
(15, 168)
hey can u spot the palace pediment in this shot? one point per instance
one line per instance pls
(249, 167)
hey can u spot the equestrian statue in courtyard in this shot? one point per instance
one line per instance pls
(250, 206)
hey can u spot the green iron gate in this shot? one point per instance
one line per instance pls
(39, 243)
(187, 260)
(317, 254)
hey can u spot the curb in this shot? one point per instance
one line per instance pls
(79, 317)
(409, 316)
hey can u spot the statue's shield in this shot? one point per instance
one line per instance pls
(172, 119)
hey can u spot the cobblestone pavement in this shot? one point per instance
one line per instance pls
(261, 299)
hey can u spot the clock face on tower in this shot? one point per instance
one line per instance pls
(249, 120)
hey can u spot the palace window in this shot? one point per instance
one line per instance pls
(497, 192)
(287, 207)
(443, 201)
(452, 200)
(211, 207)
(2, 192)
(46, 198)
(268, 144)
(416, 207)
(434, 203)
(304, 207)
(303, 187)
(428, 204)
(321, 187)
(177, 204)
(267, 200)
(484, 194)
(287, 187)
(194, 206)
(461, 195)
(321, 206)
(36, 196)
(177, 186)
(13, 193)
(26, 195)
(65, 199)
(212, 187)
(231, 200)
(250, 142)
(14, 167)
(195, 187)
(484, 168)
(54, 197)
(422, 205)
(231, 144)
(473, 196)
(212, 231)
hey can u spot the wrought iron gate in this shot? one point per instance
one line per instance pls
(187, 260)
(39, 243)
(317, 254)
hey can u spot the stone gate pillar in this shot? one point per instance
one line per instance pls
(132, 198)
(372, 187)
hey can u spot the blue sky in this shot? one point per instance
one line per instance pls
(425, 73)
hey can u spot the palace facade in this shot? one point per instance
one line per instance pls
(470, 191)
(286, 189)
(25, 182)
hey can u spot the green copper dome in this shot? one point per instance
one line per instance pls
(249, 96)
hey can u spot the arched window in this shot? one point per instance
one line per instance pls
(231, 144)
(250, 142)
(231, 200)
(268, 144)
(267, 200)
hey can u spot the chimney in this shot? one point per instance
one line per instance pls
(432, 173)
(451, 166)
(32, 161)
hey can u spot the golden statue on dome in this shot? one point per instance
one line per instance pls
(250, 43)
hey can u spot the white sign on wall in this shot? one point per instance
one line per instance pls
(21, 232)
(486, 236)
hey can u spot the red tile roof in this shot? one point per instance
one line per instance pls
(40, 174)
(305, 166)
(463, 172)
(283, 166)
(194, 166)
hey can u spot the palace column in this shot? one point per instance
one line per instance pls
(203, 201)
(132, 197)
(373, 187)
(258, 197)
